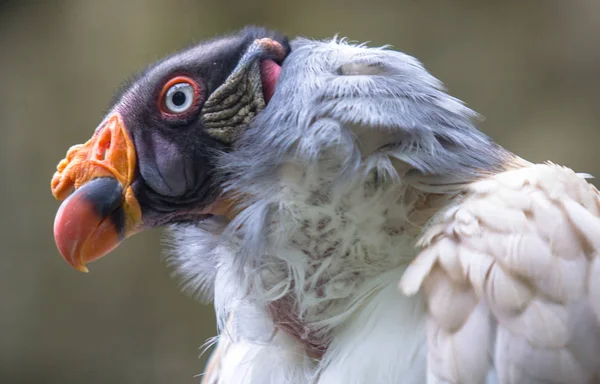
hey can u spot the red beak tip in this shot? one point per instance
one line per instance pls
(83, 230)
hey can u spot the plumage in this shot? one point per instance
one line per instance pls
(357, 227)
(532, 269)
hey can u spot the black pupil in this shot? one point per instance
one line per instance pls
(179, 98)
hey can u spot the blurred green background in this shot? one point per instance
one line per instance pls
(531, 67)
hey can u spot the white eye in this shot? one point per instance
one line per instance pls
(179, 98)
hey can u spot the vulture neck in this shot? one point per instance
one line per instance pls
(312, 258)
(306, 275)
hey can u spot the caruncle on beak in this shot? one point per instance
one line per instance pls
(103, 210)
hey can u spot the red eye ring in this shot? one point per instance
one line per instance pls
(179, 97)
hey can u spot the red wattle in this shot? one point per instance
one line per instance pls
(269, 74)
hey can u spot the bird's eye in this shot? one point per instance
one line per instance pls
(179, 96)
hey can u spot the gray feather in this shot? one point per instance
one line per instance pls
(327, 88)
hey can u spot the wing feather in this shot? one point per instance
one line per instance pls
(511, 273)
(212, 372)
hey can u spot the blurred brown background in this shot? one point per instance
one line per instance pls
(531, 67)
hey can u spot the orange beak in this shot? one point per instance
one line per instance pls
(103, 210)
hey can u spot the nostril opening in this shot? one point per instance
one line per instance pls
(102, 147)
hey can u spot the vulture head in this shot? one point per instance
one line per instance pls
(152, 160)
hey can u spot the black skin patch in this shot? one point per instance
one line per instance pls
(106, 196)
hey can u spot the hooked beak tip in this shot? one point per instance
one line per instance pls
(90, 223)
